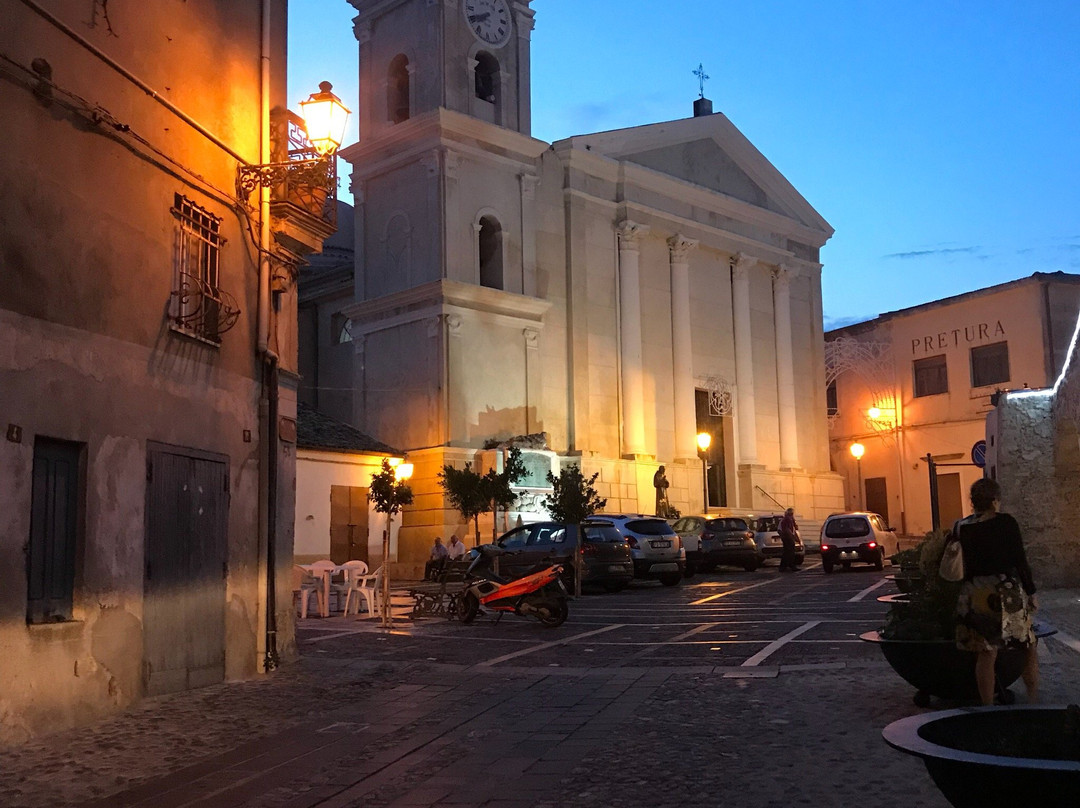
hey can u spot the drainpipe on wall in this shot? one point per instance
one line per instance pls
(268, 359)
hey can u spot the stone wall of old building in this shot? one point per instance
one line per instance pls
(1037, 462)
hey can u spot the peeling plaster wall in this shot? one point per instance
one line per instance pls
(87, 255)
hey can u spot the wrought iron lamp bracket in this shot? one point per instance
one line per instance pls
(316, 173)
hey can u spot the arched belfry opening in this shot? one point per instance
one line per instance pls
(397, 89)
(487, 78)
(490, 238)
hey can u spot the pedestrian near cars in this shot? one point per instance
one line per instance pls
(788, 530)
(997, 595)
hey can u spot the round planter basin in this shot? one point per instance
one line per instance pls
(938, 668)
(984, 757)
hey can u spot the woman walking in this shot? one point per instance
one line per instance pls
(997, 596)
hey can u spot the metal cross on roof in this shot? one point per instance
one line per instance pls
(702, 78)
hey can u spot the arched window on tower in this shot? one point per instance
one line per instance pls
(487, 78)
(397, 89)
(491, 252)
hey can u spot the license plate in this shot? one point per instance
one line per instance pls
(732, 543)
(617, 568)
(660, 545)
(849, 555)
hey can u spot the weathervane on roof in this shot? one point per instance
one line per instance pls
(702, 78)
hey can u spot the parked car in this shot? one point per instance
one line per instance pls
(690, 530)
(728, 541)
(654, 545)
(604, 552)
(766, 531)
(857, 536)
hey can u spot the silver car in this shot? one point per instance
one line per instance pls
(654, 546)
(767, 537)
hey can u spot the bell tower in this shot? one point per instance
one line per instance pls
(469, 56)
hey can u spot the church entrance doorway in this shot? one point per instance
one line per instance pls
(717, 426)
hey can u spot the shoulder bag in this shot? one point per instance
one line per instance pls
(952, 559)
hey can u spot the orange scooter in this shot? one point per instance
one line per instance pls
(540, 594)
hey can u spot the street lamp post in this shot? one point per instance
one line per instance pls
(857, 451)
(704, 440)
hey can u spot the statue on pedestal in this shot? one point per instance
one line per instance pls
(660, 483)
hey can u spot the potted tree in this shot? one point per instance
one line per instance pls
(572, 500)
(389, 493)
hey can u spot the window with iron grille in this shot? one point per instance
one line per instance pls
(990, 364)
(197, 298)
(831, 401)
(931, 376)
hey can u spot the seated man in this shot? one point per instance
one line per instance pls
(456, 550)
(436, 561)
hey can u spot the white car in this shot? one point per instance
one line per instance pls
(859, 536)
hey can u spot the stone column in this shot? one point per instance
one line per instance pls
(744, 357)
(682, 365)
(633, 401)
(524, 19)
(785, 371)
(528, 234)
(532, 376)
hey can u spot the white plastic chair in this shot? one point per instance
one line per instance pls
(363, 585)
(305, 585)
(321, 569)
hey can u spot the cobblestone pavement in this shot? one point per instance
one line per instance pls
(644, 698)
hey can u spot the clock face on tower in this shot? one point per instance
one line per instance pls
(489, 20)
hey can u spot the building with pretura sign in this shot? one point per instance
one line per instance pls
(920, 382)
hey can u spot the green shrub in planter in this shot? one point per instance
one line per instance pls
(929, 612)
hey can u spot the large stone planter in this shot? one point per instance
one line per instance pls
(983, 757)
(937, 668)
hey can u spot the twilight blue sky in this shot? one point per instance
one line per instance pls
(940, 138)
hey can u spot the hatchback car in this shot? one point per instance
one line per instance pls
(728, 540)
(690, 530)
(859, 536)
(604, 553)
(766, 531)
(654, 545)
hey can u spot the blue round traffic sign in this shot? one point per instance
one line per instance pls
(978, 454)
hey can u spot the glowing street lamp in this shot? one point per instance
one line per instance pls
(325, 118)
(857, 451)
(403, 471)
(704, 440)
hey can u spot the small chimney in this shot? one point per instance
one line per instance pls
(702, 106)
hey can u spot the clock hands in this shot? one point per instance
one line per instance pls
(479, 17)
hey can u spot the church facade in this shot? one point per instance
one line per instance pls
(619, 292)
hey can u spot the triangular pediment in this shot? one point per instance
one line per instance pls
(710, 152)
(704, 163)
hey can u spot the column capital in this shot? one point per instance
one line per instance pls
(630, 233)
(453, 324)
(680, 247)
(782, 276)
(532, 338)
(528, 185)
(741, 263)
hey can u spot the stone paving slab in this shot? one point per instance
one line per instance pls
(365, 724)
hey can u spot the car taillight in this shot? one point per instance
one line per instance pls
(749, 535)
(872, 545)
(632, 542)
(678, 541)
(589, 549)
(824, 548)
